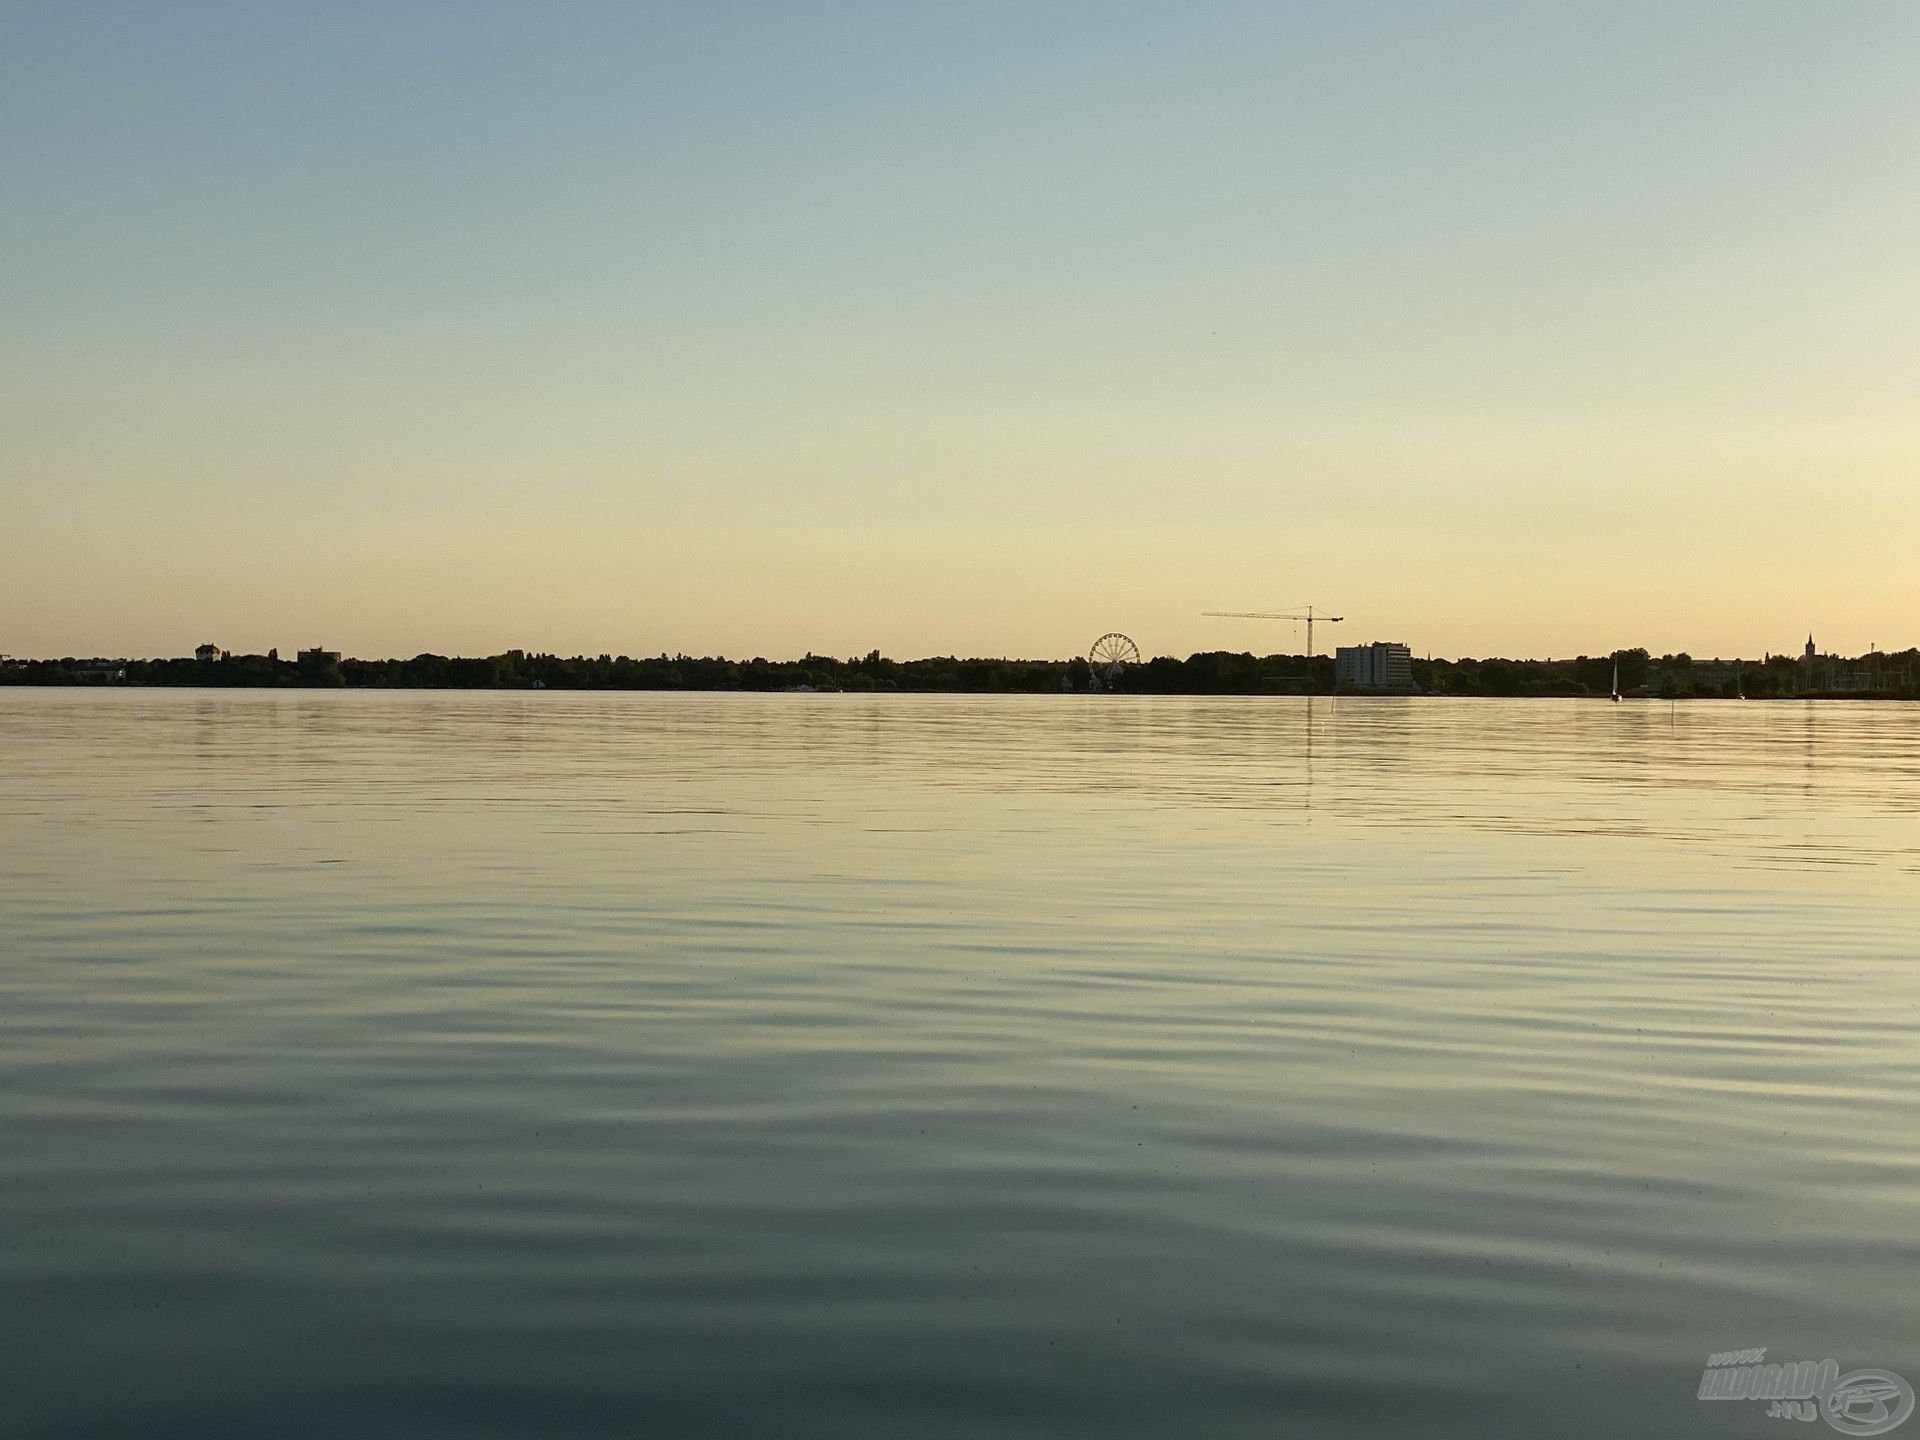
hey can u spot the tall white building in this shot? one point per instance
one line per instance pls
(1383, 668)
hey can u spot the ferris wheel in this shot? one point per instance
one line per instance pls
(1111, 654)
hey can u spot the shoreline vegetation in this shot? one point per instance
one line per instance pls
(1216, 672)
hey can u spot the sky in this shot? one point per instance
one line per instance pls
(981, 328)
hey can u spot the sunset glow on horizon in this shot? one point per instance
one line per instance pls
(753, 330)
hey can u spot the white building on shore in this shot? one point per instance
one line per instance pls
(1383, 668)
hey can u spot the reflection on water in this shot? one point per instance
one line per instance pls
(606, 1065)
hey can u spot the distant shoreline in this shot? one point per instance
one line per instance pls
(1640, 676)
(1414, 695)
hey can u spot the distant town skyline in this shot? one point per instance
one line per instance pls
(981, 330)
(1391, 653)
(1113, 664)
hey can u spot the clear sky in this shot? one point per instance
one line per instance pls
(978, 328)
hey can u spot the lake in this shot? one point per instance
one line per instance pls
(449, 1064)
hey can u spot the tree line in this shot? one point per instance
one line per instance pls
(1212, 672)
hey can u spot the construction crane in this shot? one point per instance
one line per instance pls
(1309, 615)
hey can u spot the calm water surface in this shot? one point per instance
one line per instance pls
(476, 1065)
